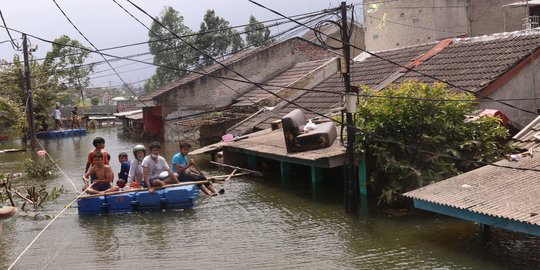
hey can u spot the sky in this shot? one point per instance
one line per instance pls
(106, 25)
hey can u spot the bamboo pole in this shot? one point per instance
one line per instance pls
(145, 189)
(227, 175)
(230, 175)
(256, 173)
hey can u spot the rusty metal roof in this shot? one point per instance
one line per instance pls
(493, 191)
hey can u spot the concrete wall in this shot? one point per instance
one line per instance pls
(207, 94)
(525, 84)
(414, 22)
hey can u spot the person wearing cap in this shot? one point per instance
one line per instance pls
(135, 174)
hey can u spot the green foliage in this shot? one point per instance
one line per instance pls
(257, 34)
(411, 142)
(92, 124)
(216, 43)
(168, 50)
(53, 82)
(66, 59)
(11, 116)
(40, 167)
(215, 40)
(94, 101)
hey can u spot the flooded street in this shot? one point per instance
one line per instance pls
(256, 224)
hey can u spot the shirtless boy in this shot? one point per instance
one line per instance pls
(104, 177)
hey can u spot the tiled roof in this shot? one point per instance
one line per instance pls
(371, 72)
(127, 105)
(492, 191)
(473, 63)
(525, 138)
(283, 79)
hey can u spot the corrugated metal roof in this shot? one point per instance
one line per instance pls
(525, 138)
(490, 190)
(283, 79)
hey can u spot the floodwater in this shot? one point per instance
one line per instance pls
(256, 224)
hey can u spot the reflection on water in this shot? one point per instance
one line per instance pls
(257, 224)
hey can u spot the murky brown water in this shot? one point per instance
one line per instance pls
(257, 224)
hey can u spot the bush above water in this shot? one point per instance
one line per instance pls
(40, 167)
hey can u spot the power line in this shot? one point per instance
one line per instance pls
(14, 44)
(397, 64)
(118, 58)
(278, 22)
(290, 31)
(220, 63)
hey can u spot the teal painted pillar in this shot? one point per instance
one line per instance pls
(252, 162)
(285, 169)
(485, 231)
(316, 176)
(316, 181)
(362, 180)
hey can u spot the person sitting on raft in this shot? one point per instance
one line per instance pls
(104, 177)
(99, 144)
(124, 166)
(153, 165)
(135, 175)
(181, 165)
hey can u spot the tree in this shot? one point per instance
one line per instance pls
(94, 101)
(53, 81)
(66, 59)
(11, 116)
(257, 34)
(411, 142)
(215, 42)
(168, 50)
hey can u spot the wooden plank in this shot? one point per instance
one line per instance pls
(239, 168)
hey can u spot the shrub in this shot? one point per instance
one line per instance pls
(411, 141)
(40, 167)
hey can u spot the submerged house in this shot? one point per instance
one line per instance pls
(501, 70)
(504, 195)
(200, 108)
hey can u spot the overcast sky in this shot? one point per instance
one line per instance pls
(106, 25)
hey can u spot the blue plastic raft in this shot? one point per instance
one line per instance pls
(179, 197)
(60, 133)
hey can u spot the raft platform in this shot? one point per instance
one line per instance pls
(180, 196)
(60, 133)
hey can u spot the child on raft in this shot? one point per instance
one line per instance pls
(181, 165)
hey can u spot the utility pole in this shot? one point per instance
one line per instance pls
(30, 103)
(351, 183)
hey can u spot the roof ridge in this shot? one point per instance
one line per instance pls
(501, 35)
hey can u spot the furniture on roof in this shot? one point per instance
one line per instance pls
(298, 140)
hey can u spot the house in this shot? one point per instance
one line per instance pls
(191, 106)
(501, 70)
(392, 24)
(503, 195)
